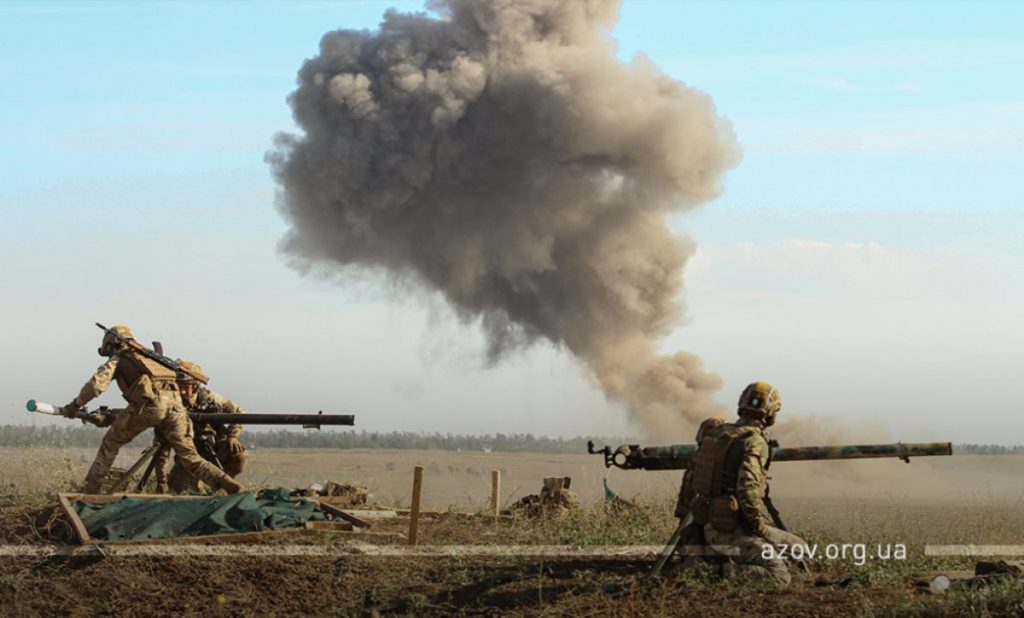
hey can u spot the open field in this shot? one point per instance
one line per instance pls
(960, 499)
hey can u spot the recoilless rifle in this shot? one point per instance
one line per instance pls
(682, 456)
(104, 416)
(203, 436)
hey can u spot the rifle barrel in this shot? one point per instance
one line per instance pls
(272, 419)
(863, 451)
(681, 456)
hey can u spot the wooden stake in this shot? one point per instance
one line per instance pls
(414, 514)
(495, 491)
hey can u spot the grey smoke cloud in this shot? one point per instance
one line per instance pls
(504, 156)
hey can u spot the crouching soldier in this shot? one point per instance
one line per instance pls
(728, 489)
(216, 443)
(154, 401)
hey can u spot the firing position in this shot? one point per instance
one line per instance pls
(154, 401)
(726, 492)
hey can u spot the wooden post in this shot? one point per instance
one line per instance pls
(495, 492)
(414, 513)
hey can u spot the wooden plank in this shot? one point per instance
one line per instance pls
(329, 525)
(372, 514)
(495, 491)
(333, 510)
(403, 513)
(373, 535)
(232, 537)
(254, 537)
(108, 498)
(414, 515)
(76, 521)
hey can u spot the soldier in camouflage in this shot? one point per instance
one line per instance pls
(151, 391)
(692, 546)
(225, 448)
(727, 487)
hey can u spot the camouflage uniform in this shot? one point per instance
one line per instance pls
(744, 544)
(153, 402)
(232, 461)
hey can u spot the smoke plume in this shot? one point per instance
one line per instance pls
(502, 155)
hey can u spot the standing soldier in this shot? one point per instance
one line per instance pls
(153, 400)
(219, 442)
(728, 489)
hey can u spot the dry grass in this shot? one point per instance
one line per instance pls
(873, 507)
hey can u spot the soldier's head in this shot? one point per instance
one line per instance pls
(760, 401)
(111, 344)
(188, 385)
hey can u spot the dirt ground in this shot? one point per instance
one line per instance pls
(877, 503)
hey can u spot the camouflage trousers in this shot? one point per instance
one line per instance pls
(180, 480)
(170, 420)
(748, 552)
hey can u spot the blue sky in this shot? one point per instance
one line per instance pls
(872, 233)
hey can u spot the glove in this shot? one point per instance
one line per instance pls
(233, 446)
(100, 420)
(71, 410)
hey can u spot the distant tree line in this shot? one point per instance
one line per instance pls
(87, 436)
(987, 449)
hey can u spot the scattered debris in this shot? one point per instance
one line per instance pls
(554, 499)
(985, 572)
(344, 495)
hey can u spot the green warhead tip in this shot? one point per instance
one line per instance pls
(31, 405)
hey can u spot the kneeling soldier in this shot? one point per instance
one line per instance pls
(728, 489)
(217, 443)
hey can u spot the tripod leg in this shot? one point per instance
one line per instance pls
(122, 483)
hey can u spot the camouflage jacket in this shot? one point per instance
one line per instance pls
(752, 478)
(141, 380)
(210, 402)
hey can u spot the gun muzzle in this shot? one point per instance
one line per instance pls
(42, 408)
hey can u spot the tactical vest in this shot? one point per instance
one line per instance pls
(141, 379)
(714, 474)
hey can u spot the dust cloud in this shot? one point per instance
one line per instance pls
(500, 153)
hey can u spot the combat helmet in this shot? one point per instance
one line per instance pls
(188, 366)
(111, 344)
(760, 400)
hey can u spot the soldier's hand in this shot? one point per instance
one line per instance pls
(70, 410)
(234, 446)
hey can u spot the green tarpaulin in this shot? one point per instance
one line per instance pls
(134, 519)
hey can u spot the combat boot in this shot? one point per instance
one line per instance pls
(229, 485)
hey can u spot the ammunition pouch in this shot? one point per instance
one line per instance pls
(700, 509)
(724, 515)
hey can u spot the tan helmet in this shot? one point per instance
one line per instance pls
(110, 343)
(189, 365)
(760, 400)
